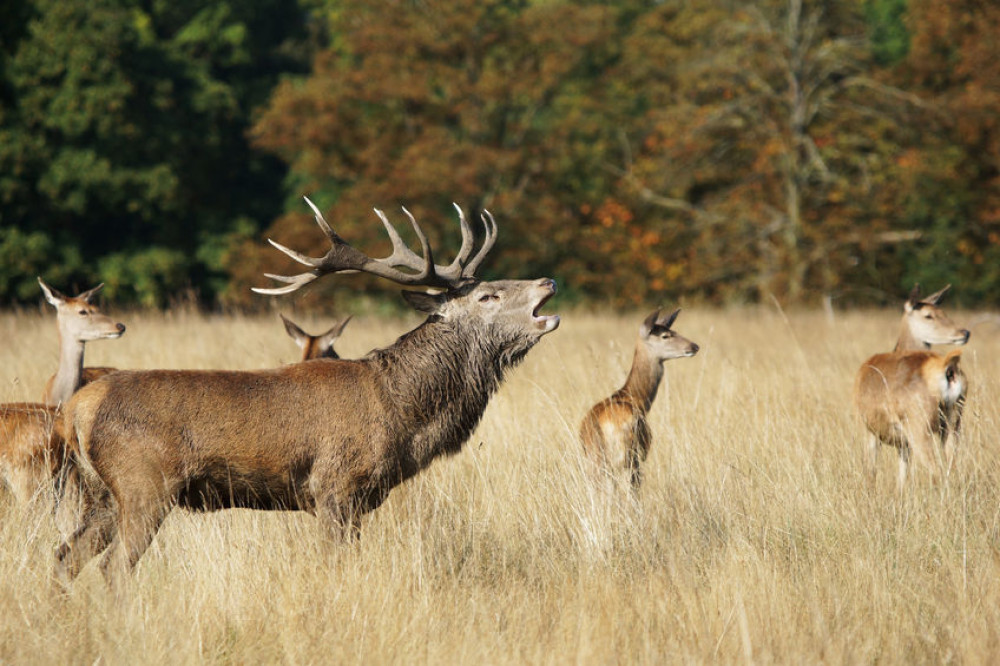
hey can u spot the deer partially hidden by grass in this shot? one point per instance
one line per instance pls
(29, 456)
(331, 438)
(912, 398)
(615, 432)
(315, 346)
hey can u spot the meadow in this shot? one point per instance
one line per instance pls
(756, 538)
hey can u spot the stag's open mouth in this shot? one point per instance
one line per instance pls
(546, 323)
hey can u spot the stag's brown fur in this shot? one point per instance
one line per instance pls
(615, 432)
(331, 438)
(912, 398)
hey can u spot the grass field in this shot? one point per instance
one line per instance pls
(756, 538)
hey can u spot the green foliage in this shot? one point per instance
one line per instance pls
(638, 152)
(890, 39)
(126, 131)
(148, 277)
(27, 255)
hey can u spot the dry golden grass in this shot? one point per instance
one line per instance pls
(756, 538)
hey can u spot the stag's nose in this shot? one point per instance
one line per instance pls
(966, 335)
(547, 282)
(121, 327)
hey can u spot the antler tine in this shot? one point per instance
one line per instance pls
(468, 241)
(342, 258)
(295, 282)
(402, 255)
(297, 256)
(491, 238)
(429, 268)
(321, 221)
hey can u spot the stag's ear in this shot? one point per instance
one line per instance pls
(669, 321)
(51, 295)
(913, 300)
(936, 297)
(424, 302)
(649, 323)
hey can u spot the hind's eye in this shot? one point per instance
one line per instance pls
(488, 297)
(84, 312)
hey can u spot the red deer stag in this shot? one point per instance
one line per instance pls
(331, 438)
(80, 321)
(315, 346)
(615, 433)
(912, 398)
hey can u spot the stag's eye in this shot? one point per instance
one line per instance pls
(488, 297)
(84, 313)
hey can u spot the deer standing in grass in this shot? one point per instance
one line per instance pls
(912, 398)
(331, 438)
(28, 457)
(80, 321)
(615, 432)
(315, 346)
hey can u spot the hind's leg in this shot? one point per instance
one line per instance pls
(952, 426)
(871, 459)
(904, 464)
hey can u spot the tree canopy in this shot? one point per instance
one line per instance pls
(637, 151)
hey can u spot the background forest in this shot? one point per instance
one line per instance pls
(721, 151)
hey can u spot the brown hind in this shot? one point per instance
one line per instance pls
(912, 398)
(615, 432)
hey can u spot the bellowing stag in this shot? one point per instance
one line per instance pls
(332, 438)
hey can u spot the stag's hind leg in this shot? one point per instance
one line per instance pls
(139, 520)
(96, 527)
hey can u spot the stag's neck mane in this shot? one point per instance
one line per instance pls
(441, 375)
(643, 380)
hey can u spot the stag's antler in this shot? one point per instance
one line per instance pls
(342, 258)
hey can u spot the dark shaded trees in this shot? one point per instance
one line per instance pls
(122, 149)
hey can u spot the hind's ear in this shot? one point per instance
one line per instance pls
(913, 300)
(90, 293)
(936, 297)
(649, 323)
(424, 302)
(53, 296)
(669, 321)
(294, 332)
